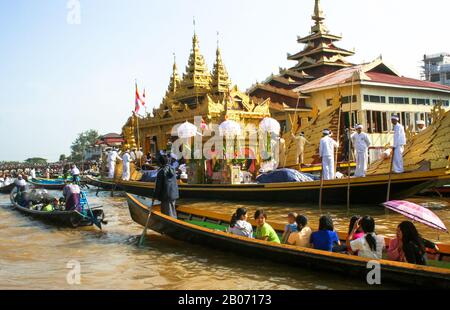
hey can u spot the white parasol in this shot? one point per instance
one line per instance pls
(270, 125)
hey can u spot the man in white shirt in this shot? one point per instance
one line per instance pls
(75, 172)
(361, 143)
(326, 152)
(421, 126)
(300, 142)
(111, 159)
(126, 160)
(399, 144)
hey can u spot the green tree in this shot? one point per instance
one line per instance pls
(36, 160)
(82, 142)
(62, 158)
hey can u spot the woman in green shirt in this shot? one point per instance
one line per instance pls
(264, 231)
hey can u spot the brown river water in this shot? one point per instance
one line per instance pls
(34, 255)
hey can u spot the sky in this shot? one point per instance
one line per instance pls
(61, 75)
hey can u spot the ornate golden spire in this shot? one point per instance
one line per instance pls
(220, 80)
(197, 75)
(174, 79)
(318, 17)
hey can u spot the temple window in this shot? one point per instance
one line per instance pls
(375, 99)
(346, 99)
(399, 100)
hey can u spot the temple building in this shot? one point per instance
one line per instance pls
(199, 92)
(320, 56)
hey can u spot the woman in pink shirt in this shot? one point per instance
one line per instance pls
(354, 232)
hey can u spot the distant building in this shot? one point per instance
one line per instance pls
(437, 68)
(109, 140)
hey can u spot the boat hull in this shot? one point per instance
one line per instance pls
(71, 219)
(7, 189)
(370, 190)
(406, 274)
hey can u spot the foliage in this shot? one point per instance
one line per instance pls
(62, 158)
(36, 161)
(82, 142)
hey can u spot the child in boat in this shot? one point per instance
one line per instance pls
(409, 246)
(326, 238)
(290, 227)
(239, 225)
(263, 230)
(302, 236)
(369, 246)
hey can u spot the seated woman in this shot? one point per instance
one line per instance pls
(409, 246)
(264, 231)
(326, 238)
(354, 232)
(371, 245)
(302, 236)
(239, 225)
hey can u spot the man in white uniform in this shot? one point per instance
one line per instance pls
(300, 142)
(361, 143)
(421, 126)
(126, 160)
(326, 152)
(399, 144)
(112, 158)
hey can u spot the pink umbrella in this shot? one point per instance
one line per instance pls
(416, 213)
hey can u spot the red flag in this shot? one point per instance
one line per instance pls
(137, 100)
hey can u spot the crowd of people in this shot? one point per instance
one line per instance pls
(361, 239)
(359, 142)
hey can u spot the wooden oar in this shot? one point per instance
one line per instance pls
(144, 232)
(388, 195)
(321, 189)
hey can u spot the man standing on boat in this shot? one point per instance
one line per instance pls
(75, 174)
(300, 142)
(326, 152)
(166, 186)
(126, 160)
(361, 143)
(112, 158)
(399, 144)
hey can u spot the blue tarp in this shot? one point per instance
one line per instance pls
(285, 175)
(149, 176)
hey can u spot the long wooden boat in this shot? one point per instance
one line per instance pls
(207, 229)
(7, 189)
(49, 184)
(368, 190)
(107, 184)
(60, 218)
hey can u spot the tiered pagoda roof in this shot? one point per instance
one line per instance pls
(319, 57)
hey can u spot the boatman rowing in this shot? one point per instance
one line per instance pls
(113, 156)
(361, 143)
(399, 144)
(326, 152)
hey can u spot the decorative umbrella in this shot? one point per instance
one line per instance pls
(230, 128)
(416, 213)
(186, 130)
(270, 125)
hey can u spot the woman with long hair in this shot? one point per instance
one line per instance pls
(239, 225)
(326, 238)
(409, 246)
(371, 245)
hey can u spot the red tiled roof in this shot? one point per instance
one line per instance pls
(403, 81)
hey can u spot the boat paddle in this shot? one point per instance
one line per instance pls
(144, 232)
(388, 195)
(91, 214)
(321, 189)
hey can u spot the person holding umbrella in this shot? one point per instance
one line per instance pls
(409, 246)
